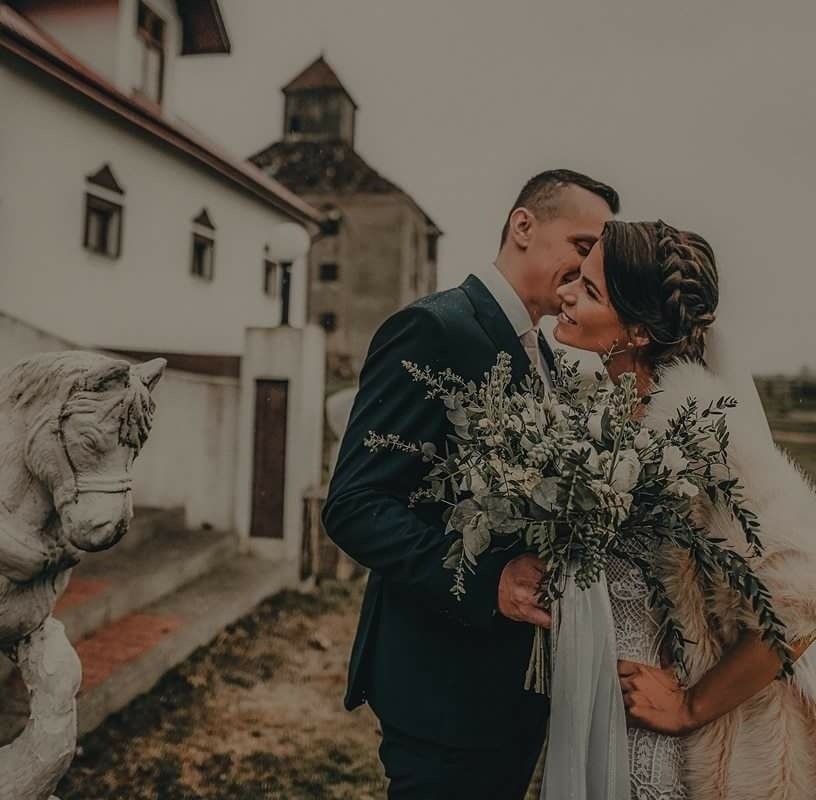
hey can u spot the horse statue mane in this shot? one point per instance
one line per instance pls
(71, 425)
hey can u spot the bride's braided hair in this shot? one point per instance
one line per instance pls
(665, 280)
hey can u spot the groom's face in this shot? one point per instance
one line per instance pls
(557, 245)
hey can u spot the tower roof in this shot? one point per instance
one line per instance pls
(319, 75)
(327, 168)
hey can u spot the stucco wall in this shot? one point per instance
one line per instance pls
(297, 356)
(190, 457)
(89, 31)
(147, 299)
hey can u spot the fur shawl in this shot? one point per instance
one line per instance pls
(766, 748)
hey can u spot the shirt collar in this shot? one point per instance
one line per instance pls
(505, 295)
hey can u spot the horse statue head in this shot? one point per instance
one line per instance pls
(76, 421)
(71, 425)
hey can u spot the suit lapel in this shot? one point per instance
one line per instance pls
(494, 321)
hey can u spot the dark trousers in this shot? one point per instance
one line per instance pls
(422, 770)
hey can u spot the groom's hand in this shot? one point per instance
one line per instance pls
(519, 591)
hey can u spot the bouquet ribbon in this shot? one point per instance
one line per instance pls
(587, 750)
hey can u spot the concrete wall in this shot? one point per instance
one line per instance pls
(297, 356)
(381, 253)
(147, 299)
(190, 457)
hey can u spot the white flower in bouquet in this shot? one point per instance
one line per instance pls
(595, 426)
(683, 487)
(673, 460)
(621, 506)
(572, 476)
(626, 472)
(643, 439)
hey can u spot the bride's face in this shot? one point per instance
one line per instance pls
(588, 320)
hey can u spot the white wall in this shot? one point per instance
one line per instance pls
(298, 356)
(103, 35)
(89, 31)
(147, 299)
(189, 459)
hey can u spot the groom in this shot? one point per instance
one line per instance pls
(445, 677)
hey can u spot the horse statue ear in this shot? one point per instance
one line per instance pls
(114, 373)
(150, 372)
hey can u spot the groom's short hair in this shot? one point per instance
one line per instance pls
(542, 192)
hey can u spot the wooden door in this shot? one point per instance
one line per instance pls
(269, 459)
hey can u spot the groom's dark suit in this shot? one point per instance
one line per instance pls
(444, 676)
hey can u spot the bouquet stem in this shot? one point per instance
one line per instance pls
(539, 671)
(537, 678)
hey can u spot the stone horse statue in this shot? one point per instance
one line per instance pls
(71, 425)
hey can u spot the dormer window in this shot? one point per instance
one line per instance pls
(103, 213)
(203, 247)
(150, 30)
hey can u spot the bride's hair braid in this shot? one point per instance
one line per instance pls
(665, 280)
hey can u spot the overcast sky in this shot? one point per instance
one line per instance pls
(700, 112)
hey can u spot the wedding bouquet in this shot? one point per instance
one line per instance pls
(575, 477)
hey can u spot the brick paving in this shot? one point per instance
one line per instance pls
(126, 640)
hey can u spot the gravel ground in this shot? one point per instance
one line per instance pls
(256, 715)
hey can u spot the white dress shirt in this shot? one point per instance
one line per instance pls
(516, 312)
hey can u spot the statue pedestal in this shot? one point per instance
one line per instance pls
(51, 670)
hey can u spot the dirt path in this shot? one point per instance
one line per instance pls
(256, 715)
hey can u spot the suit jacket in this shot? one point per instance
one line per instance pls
(435, 667)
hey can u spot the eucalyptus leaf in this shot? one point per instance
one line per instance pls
(476, 536)
(463, 514)
(457, 416)
(545, 494)
(454, 554)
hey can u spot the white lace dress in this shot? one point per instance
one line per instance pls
(655, 760)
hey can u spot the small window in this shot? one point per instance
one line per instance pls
(203, 265)
(270, 279)
(328, 272)
(433, 240)
(150, 29)
(328, 321)
(103, 226)
(331, 221)
(295, 124)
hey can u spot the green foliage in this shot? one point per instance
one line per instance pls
(574, 475)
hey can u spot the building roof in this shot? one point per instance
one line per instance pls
(202, 27)
(20, 37)
(331, 168)
(319, 75)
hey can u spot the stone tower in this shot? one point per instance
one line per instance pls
(380, 251)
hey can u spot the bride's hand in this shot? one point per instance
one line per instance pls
(654, 699)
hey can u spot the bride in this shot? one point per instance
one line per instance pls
(647, 293)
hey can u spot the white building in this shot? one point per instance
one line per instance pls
(120, 227)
